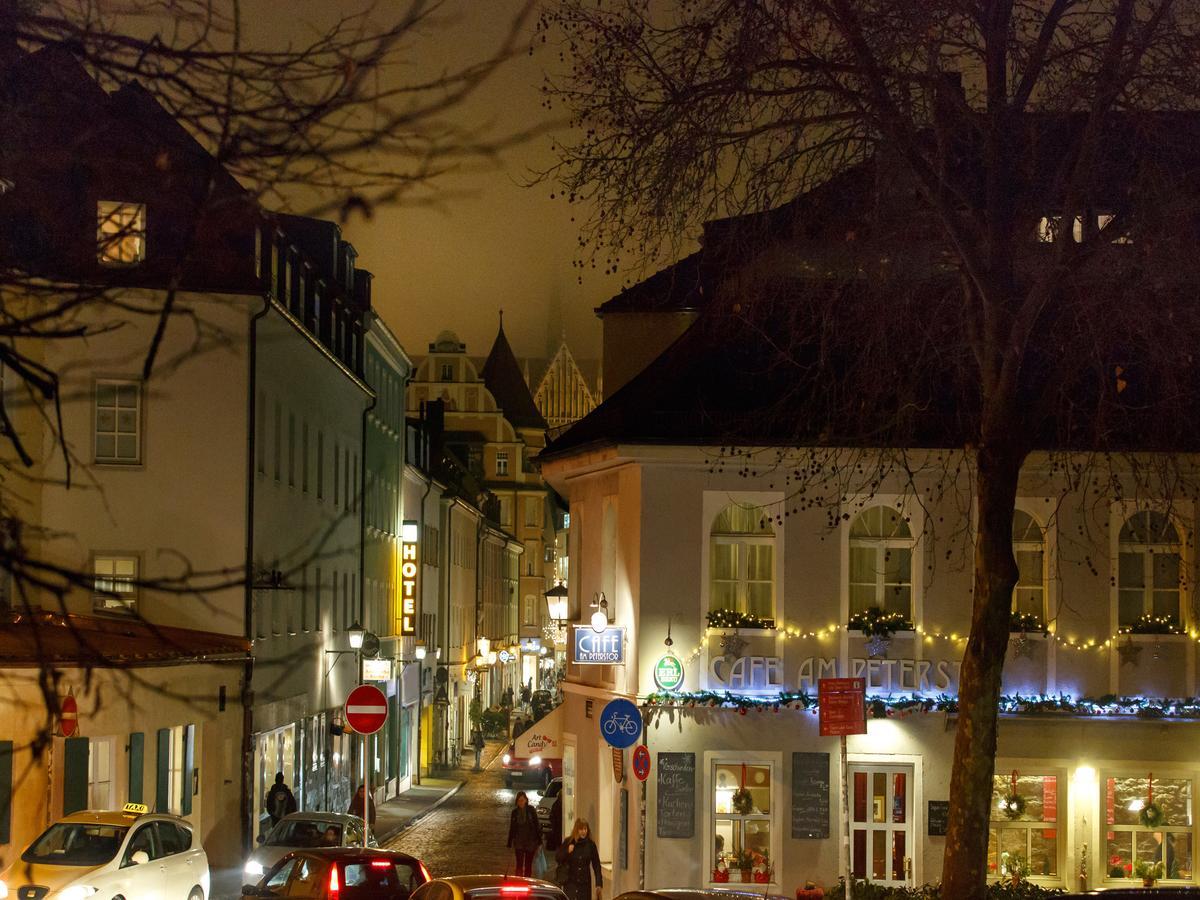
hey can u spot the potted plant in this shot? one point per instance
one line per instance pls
(1014, 867)
(743, 861)
(1148, 871)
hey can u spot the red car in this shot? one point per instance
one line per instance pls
(341, 873)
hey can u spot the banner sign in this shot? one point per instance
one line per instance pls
(842, 706)
(600, 648)
(408, 584)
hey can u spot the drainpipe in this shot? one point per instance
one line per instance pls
(247, 805)
(362, 548)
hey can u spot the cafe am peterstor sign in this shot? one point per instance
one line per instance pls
(599, 648)
(750, 674)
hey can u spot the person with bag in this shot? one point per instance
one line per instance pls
(280, 800)
(524, 834)
(581, 859)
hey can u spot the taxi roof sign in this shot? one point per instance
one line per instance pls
(135, 809)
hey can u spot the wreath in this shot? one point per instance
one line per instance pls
(1151, 815)
(743, 803)
(1013, 803)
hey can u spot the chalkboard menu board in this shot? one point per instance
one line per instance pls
(676, 795)
(623, 841)
(939, 817)
(810, 795)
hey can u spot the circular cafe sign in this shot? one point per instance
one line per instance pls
(668, 673)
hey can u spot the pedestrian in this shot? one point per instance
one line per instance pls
(554, 831)
(524, 834)
(477, 746)
(280, 800)
(360, 803)
(527, 692)
(576, 856)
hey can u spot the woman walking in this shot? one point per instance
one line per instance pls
(524, 834)
(577, 855)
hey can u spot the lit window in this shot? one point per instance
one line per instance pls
(742, 562)
(881, 551)
(1149, 569)
(742, 816)
(501, 462)
(1029, 548)
(1023, 835)
(120, 233)
(118, 422)
(1129, 842)
(115, 583)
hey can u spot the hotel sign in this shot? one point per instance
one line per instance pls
(408, 580)
(599, 648)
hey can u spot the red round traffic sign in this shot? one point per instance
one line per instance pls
(366, 709)
(68, 716)
(641, 762)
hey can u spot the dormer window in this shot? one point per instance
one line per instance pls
(120, 233)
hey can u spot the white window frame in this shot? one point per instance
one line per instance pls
(101, 774)
(501, 463)
(120, 233)
(1044, 547)
(1179, 515)
(115, 433)
(882, 546)
(713, 758)
(1190, 830)
(996, 819)
(102, 596)
(713, 503)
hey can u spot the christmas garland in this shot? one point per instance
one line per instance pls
(1149, 623)
(874, 622)
(731, 618)
(1026, 622)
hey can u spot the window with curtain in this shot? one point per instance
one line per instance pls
(881, 553)
(1029, 548)
(742, 562)
(1149, 577)
(1024, 839)
(1128, 841)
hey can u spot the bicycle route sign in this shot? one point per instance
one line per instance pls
(621, 723)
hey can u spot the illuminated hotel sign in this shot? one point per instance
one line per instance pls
(408, 579)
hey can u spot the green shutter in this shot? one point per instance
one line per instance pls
(6, 791)
(162, 780)
(189, 757)
(137, 766)
(75, 775)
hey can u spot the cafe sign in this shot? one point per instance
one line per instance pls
(599, 648)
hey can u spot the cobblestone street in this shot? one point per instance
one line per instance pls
(467, 833)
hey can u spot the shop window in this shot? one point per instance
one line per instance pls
(742, 815)
(742, 562)
(1029, 548)
(1129, 841)
(881, 552)
(1149, 570)
(1023, 838)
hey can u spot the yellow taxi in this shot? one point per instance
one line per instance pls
(126, 855)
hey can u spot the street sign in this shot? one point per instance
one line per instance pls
(621, 723)
(68, 716)
(366, 709)
(641, 762)
(377, 669)
(668, 673)
(599, 648)
(842, 706)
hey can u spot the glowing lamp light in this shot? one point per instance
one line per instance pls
(484, 645)
(409, 532)
(491, 657)
(599, 620)
(506, 759)
(557, 602)
(535, 760)
(356, 633)
(419, 652)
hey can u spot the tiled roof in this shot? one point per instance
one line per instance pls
(503, 377)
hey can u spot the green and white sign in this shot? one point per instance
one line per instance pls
(668, 673)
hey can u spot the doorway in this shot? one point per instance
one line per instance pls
(881, 827)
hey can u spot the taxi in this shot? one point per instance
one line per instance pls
(125, 855)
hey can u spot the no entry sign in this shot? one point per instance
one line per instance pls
(69, 716)
(366, 709)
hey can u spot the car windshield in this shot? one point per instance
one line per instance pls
(379, 878)
(76, 844)
(305, 833)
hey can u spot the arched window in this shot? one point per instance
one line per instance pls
(1029, 548)
(1149, 576)
(881, 549)
(742, 563)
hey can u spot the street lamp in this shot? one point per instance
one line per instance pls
(600, 616)
(419, 652)
(557, 603)
(483, 645)
(356, 633)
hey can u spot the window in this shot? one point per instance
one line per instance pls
(506, 512)
(1029, 548)
(501, 462)
(336, 610)
(1025, 838)
(100, 774)
(120, 233)
(741, 812)
(304, 456)
(118, 422)
(277, 446)
(291, 450)
(337, 480)
(317, 599)
(1149, 569)
(115, 583)
(260, 434)
(530, 611)
(447, 371)
(175, 769)
(1128, 841)
(533, 511)
(304, 626)
(742, 562)
(881, 548)
(320, 464)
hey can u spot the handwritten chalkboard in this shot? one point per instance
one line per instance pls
(939, 817)
(810, 795)
(676, 795)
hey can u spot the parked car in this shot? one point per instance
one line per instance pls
(699, 894)
(488, 887)
(341, 873)
(549, 795)
(111, 854)
(302, 831)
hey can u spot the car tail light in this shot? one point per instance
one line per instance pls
(381, 864)
(334, 885)
(514, 890)
(425, 871)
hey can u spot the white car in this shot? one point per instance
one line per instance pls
(546, 802)
(302, 831)
(111, 855)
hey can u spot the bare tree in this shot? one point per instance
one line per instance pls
(970, 122)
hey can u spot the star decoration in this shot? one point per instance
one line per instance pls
(731, 646)
(1129, 652)
(877, 646)
(1022, 646)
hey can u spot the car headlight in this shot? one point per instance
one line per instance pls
(3, 890)
(507, 758)
(535, 761)
(76, 892)
(254, 868)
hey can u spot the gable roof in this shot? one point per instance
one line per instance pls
(502, 375)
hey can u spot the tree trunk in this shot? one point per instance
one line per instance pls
(964, 867)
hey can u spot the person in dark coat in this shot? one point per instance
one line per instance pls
(280, 800)
(579, 859)
(554, 832)
(356, 805)
(524, 834)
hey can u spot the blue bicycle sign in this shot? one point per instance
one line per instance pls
(621, 723)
